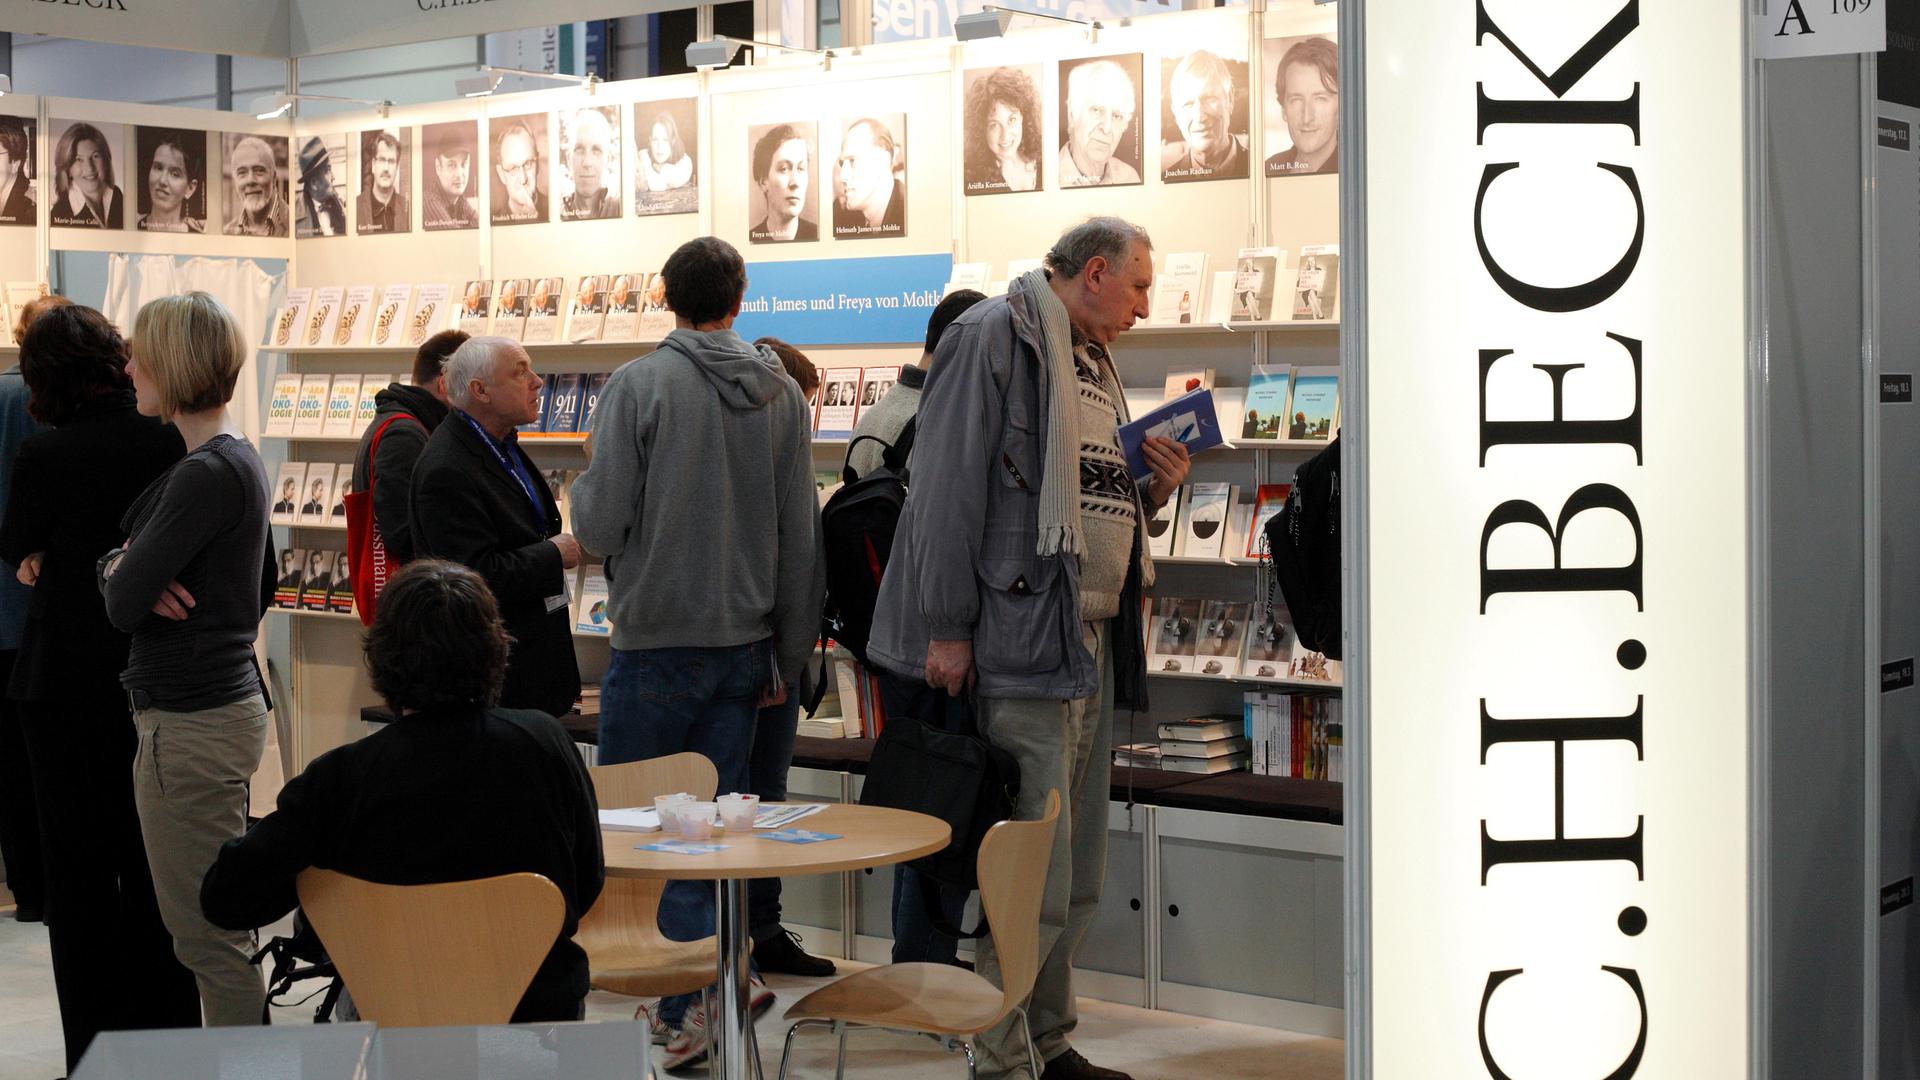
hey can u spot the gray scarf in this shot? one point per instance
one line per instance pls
(1060, 472)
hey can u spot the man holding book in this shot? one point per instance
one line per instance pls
(1018, 567)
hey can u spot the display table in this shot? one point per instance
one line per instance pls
(866, 836)
(576, 1051)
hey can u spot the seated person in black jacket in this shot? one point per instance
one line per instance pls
(454, 789)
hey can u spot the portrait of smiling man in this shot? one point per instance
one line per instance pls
(1100, 147)
(868, 200)
(256, 186)
(382, 206)
(1306, 87)
(1202, 92)
(590, 154)
(519, 146)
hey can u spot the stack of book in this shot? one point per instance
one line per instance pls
(1204, 744)
(1140, 755)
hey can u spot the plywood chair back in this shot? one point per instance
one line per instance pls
(622, 931)
(1013, 876)
(461, 953)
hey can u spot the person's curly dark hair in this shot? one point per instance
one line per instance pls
(1013, 87)
(70, 356)
(437, 639)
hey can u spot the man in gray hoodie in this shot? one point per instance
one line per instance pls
(700, 495)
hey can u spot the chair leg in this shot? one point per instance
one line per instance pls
(1026, 1030)
(787, 1052)
(840, 1067)
(972, 1072)
(753, 1048)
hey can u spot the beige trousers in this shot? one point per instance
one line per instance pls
(190, 786)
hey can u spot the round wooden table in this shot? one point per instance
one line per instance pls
(867, 836)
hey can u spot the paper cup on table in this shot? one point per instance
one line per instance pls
(696, 820)
(737, 811)
(668, 807)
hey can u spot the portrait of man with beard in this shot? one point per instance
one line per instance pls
(256, 184)
(869, 179)
(1205, 106)
(1100, 115)
(382, 205)
(322, 212)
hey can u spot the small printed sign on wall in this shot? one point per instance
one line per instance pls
(1789, 28)
(1896, 388)
(1896, 896)
(1896, 675)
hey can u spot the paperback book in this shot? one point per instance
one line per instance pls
(354, 323)
(395, 301)
(1254, 280)
(430, 303)
(587, 317)
(656, 321)
(369, 404)
(1267, 502)
(510, 308)
(310, 408)
(314, 496)
(1188, 419)
(1316, 404)
(337, 504)
(624, 297)
(1180, 293)
(281, 402)
(286, 492)
(1160, 527)
(1267, 389)
(596, 384)
(340, 595)
(324, 315)
(839, 402)
(286, 584)
(593, 602)
(1186, 382)
(342, 400)
(476, 307)
(290, 319)
(1203, 520)
(1175, 638)
(544, 310)
(563, 408)
(317, 582)
(1269, 647)
(1222, 625)
(1316, 289)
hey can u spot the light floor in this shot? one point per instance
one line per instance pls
(1150, 1045)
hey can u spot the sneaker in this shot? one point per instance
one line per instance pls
(1071, 1066)
(688, 1045)
(759, 998)
(658, 1031)
(782, 953)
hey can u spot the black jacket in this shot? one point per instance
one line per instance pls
(444, 795)
(467, 509)
(71, 486)
(400, 448)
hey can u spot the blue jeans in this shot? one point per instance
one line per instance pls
(656, 702)
(773, 734)
(915, 941)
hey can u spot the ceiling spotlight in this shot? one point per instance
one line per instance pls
(477, 85)
(991, 21)
(275, 106)
(492, 75)
(719, 51)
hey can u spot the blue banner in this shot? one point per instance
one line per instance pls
(881, 301)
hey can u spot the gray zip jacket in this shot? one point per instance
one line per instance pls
(701, 497)
(964, 564)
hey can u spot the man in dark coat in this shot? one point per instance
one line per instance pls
(405, 416)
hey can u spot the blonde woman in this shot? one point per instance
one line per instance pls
(188, 585)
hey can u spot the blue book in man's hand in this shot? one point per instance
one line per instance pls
(1188, 419)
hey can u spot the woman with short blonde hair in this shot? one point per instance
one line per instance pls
(190, 585)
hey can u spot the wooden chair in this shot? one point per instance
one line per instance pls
(435, 955)
(940, 999)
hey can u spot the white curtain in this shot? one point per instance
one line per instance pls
(242, 285)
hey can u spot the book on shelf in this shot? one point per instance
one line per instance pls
(1175, 635)
(314, 493)
(368, 406)
(337, 503)
(287, 485)
(282, 400)
(839, 402)
(1255, 276)
(291, 319)
(1205, 766)
(343, 398)
(1223, 623)
(846, 677)
(510, 308)
(1266, 403)
(564, 404)
(625, 294)
(823, 727)
(1235, 746)
(429, 314)
(1160, 527)
(1268, 501)
(541, 408)
(656, 319)
(19, 295)
(593, 602)
(310, 408)
(286, 583)
(1203, 520)
(476, 307)
(544, 308)
(1316, 287)
(355, 324)
(874, 384)
(1239, 522)
(596, 385)
(1314, 409)
(975, 276)
(587, 315)
(1140, 755)
(323, 315)
(317, 581)
(340, 592)
(1294, 735)
(1188, 419)
(1186, 382)
(1268, 648)
(1180, 292)
(1201, 728)
(391, 315)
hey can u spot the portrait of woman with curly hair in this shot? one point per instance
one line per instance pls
(1003, 130)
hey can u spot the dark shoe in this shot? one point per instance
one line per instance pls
(782, 953)
(1071, 1066)
(28, 913)
(964, 965)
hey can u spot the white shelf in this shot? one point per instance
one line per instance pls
(338, 616)
(1146, 329)
(528, 441)
(409, 350)
(309, 525)
(1205, 560)
(1295, 684)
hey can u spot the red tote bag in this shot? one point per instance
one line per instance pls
(366, 548)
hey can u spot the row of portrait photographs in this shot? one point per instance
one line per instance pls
(1204, 118)
(171, 193)
(588, 184)
(869, 180)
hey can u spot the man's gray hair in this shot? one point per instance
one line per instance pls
(1109, 238)
(474, 359)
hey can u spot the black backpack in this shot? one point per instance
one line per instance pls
(857, 527)
(1304, 540)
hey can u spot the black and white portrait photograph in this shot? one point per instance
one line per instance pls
(320, 205)
(386, 158)
(1100, 121)
(519, 190)
(870, 178)
(589, 180)
(17, 164)
(1002, 127)
(780, 195)
(253, 177)
(665, 138)
(1303, 116)
(86, 189)
(172, 194)
(1203, 118)
(449, 181)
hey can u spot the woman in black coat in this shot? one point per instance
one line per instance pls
(71, 486)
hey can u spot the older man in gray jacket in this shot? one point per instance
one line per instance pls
(1018, 568)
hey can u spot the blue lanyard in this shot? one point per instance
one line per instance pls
(513, 469)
